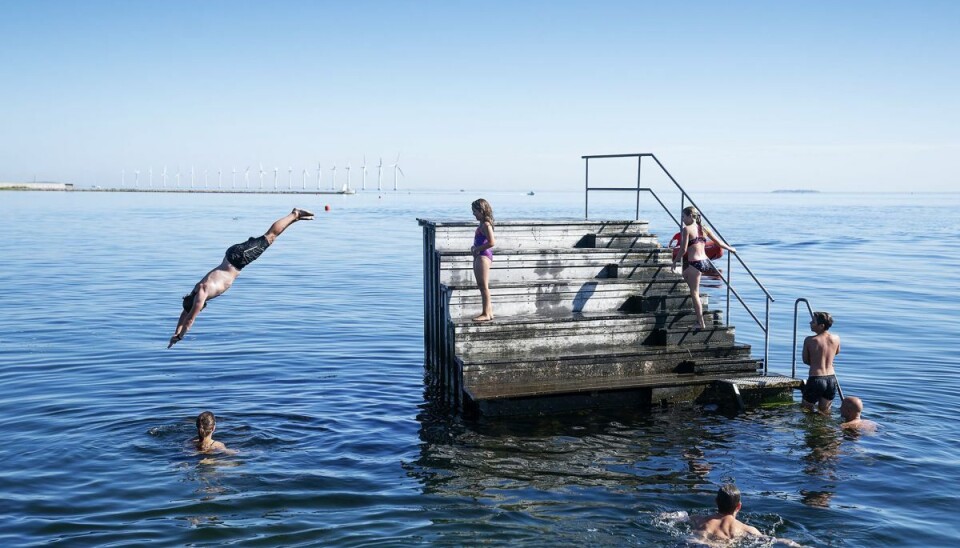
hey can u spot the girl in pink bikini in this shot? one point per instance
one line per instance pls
(693, 243)
(483, 241)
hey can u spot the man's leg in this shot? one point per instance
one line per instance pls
(282, 223)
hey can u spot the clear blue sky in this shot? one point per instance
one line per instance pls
(843, 96)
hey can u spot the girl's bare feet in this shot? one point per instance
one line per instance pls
(483, 318)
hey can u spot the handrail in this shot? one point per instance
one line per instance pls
(764, 326)
(793, 366)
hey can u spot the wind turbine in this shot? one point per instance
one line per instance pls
(275, 171)
(191, 177)
(348, 175)
(363, 186)
(304, 178)
(219, 178)
(178, 177)
(246, 178)
(136, 178)
(290, 178)
(261, 175)
(151, 177)
(123, 178)
(233, 180)
(319, 175)
(164, 176)
(333, 180)
(379, 173)
(396, 168)
(205, 184)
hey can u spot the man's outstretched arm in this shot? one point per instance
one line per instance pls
(188, 317)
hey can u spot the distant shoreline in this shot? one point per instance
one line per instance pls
(795, 191)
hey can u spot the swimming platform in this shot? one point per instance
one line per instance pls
(588, 314)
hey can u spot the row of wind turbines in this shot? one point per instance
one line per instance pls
(346, 188)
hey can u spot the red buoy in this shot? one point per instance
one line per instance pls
(326, 208)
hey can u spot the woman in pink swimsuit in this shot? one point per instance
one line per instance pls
(483, 241)
(693, 244)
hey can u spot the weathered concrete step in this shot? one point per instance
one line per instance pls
(586, 340)
(710, 366)
(619, 240)
(568, 253)
(530, 234)
(662, 302)
(534, 321)
(521, 270)
(591, 340)
(589, 336)
(681, 336)
(492, 391)
(565, 297)
(558, 297)
(549, 365)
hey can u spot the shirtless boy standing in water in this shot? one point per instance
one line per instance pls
(221, 278)
(818, 353)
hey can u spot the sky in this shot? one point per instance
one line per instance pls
(737, 96)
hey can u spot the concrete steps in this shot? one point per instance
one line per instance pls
(554, 365)
(570, 296)
(493, 391)
(587, 335)
(588, 314)
(545, 265)
(458, 236)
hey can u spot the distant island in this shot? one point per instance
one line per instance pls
(795, 191)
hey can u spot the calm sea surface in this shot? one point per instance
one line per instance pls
(313, 363)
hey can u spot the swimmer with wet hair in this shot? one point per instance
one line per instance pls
(206, 425)
(850, 409)
(724, 525)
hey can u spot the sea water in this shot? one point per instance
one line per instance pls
(313, 363)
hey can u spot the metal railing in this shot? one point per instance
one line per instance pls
(793, 366)
(684, 197)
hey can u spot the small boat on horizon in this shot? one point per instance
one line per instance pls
(531, 193)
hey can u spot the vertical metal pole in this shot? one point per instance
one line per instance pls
(793, 366)
(729, 283)
(639, 162)
(766, 337)
(586, 189)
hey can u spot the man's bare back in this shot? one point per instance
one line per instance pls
(818, 353)
(724, 527)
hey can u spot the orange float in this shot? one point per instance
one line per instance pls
(712, 249)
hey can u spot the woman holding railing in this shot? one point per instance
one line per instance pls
(693, 244)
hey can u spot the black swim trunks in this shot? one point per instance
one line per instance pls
(817, 387)
(240, 255)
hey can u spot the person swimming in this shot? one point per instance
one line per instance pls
(850, 409)
(206, 425)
